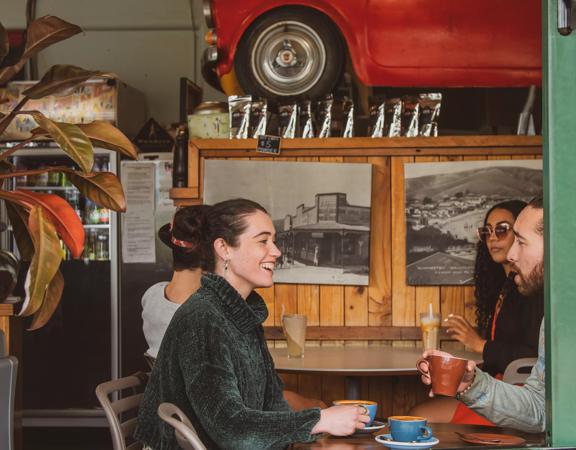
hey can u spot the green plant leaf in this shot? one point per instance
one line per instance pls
(104, 134)
(70, 138)
(104, 188)
(4, 44)
(67, 223)
(18, 216)
(45, 262)
(41, 33)
(50, 303)
(60, 78)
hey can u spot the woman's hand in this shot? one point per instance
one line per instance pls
(461, 330)
(341, 420)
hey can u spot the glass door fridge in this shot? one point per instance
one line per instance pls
(78, 348)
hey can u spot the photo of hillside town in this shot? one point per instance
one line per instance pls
(321, 213)
(446, 203)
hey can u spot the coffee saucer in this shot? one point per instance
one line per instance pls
(376, 425)
(386, 439)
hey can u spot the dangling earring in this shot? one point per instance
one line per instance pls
(226, 265)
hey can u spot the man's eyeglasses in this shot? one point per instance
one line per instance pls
(501, 230)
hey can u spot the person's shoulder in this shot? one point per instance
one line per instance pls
(200, 307)
(154, 292)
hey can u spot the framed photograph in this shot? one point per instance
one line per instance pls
(321, 212)
(190, 97)
(446, 202)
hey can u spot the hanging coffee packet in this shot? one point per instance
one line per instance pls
(376, 118)
(258, 117)
(325, 116)
(239, 109)
(392, 117)
(288, 114)
(306, 122)
(429, 112)
(348, 110)
(410, 110)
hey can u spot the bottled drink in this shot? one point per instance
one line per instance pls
(104, 216)
(92, 212)
(73, 198)
(180, 166)
(102, 246)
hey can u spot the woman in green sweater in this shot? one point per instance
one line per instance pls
(214, 363)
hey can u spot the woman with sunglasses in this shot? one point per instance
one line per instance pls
(508, 323)
(214, 363)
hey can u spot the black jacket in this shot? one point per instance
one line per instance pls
(516, 334)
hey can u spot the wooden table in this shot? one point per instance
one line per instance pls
(443, 431)
(355, 362)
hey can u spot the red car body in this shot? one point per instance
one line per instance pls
(444, 43)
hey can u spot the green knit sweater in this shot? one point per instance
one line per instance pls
(214, 364)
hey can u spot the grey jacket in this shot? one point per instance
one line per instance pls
(507, 405)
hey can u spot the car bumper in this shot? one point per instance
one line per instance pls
(209, 62)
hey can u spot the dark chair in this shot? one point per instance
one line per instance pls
(518, 370)
(186, 435)
(122, 413)
(8, 373)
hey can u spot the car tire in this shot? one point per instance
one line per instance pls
(295, 52)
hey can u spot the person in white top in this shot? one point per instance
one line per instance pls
(160, 301)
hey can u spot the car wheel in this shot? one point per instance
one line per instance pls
(290, 52)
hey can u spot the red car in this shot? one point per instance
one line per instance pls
(300, 47)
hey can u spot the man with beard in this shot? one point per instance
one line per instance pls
(505, 404)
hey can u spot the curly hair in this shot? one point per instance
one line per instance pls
(489, 277)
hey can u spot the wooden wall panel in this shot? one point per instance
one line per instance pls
(388, 302)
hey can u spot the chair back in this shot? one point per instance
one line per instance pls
(518, 370)
(186, 435)
(8, 373)
(150, 360)
(122, 413)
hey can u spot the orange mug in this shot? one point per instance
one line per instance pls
(445, 372)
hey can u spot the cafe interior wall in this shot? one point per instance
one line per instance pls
(149, 44)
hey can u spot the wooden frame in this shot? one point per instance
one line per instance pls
(385, 312)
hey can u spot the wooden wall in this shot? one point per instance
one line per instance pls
(385, 312)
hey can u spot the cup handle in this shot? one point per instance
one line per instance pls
(426, 435)
(419, 364)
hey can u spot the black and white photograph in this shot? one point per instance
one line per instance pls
(321, 213)
(446, 203)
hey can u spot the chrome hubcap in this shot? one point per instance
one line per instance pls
(288, 58)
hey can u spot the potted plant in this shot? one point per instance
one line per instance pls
(40, 220)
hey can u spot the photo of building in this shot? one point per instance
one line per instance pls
(322, 222)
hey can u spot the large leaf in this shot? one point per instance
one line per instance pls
(104, 188)
(104, 134)
(5, 121)
(70, 138)
(18, 217)
(4, 44)
(67, 223)
(41, 33)
(50, 303)
(62, 78)
(45, 262)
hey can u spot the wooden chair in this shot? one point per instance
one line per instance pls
(8, 373)
(122, 413)
(518, 370)
(186, 435)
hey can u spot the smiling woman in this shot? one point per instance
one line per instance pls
(214, 363)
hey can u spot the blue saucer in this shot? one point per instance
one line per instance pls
(386, 439)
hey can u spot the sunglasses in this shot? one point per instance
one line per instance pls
(501, 230)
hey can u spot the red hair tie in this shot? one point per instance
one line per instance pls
(179, 242)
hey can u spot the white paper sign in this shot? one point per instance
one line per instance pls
(138, 180)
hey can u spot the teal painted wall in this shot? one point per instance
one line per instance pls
(559, 71)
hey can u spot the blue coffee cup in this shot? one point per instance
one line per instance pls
(409, 428)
